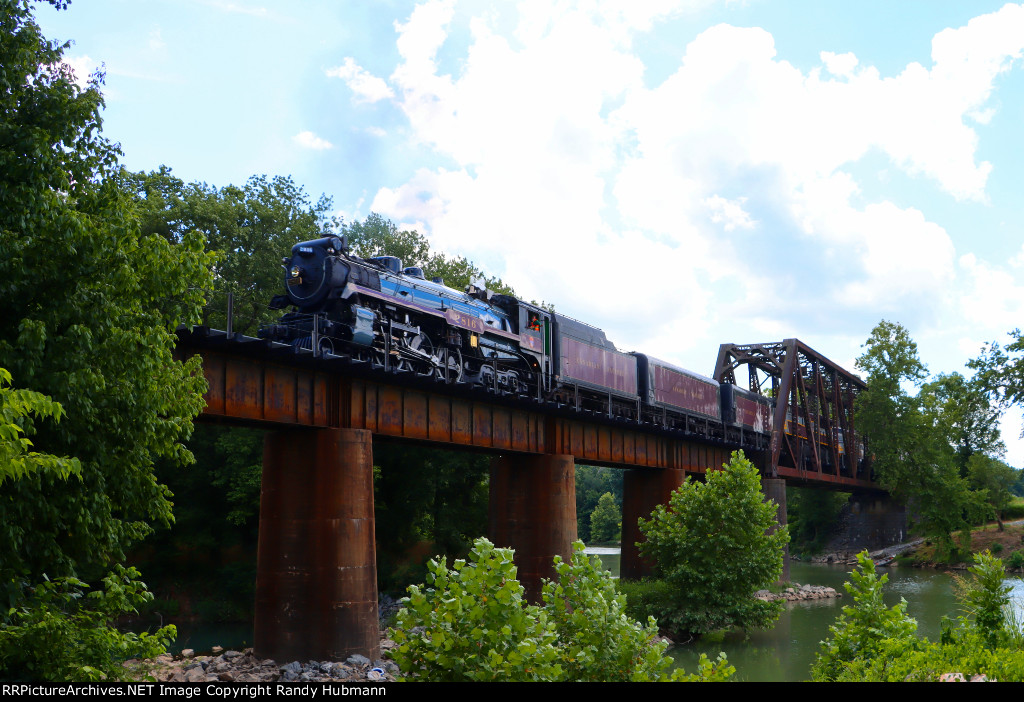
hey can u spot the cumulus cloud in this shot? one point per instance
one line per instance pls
(366, 86)
(670, 202)
(309, 140)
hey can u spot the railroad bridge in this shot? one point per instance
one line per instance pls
(316, 595)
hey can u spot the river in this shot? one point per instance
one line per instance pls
(785, 652)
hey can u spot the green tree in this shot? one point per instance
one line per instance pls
(18, 409)
(591, 483)
(985, 597)
(90, 311)
(911, 458)
(605, 520)
(1001, 370)
(811, 515)
(378, 236)
(715, 544)
(993, 479)
(249, 228)
(961, 410)
(58, 634)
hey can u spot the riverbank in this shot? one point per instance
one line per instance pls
(245, 667)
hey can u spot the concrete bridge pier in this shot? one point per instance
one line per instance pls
(775, 489)
(316, 579)
(533, 510)
(642, 491)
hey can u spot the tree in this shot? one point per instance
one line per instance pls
(912, 459)
(715, 544)
(961, 410)
(605, 520)
(1001, 370)
(90, 308)
(591, 483)
(993, 479)
(18, 408)
(811, 515)
(377, 236)
(247, 228)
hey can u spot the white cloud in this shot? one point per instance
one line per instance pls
(309, 140)
(729, 213)
(156, 41)
(567, 175)
(83, 67)
(366, 86)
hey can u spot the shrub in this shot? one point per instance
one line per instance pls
(59, 635)
(715, 544)
(472, 623)
(867, 629)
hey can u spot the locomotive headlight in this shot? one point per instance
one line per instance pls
(294, 272)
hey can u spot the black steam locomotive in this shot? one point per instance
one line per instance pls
(376, 311)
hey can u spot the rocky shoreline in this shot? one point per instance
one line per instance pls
(799, 593)
(244, 666)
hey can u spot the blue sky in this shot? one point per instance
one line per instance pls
(681, 173)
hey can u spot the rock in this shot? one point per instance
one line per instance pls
(357, 659)
(188, 653)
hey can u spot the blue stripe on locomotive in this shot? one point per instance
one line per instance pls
(440, 297)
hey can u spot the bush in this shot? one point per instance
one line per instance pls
(472, 623)
(868, 629)
(715, 544)
(57, 635)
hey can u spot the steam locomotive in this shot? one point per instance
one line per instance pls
(375, 310)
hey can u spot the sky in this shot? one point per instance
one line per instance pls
(679, 173)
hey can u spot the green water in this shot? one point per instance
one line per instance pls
(785, 652)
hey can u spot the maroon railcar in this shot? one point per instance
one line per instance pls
(665, 386)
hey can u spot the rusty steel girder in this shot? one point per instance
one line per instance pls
(814, 437)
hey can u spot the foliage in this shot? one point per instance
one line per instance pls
(17, 410)
(58, 634)
(90, 308)
(867, 630)
(984, 597)
(993, 478)
(591, 483)
(812, 515)
(873, 643)
(960, 410)
(912, 458)
(425, 495)
(377, 236)
(605, 520)
(249, 228)
(715, 544)
(477, 626)
(1000, 370)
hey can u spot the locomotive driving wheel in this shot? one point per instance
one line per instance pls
(449, 366)
(416, 354)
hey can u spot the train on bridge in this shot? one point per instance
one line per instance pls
(378, 311)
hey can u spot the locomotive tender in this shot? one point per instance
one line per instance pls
(377, 311)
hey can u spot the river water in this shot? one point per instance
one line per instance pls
(786, 652)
